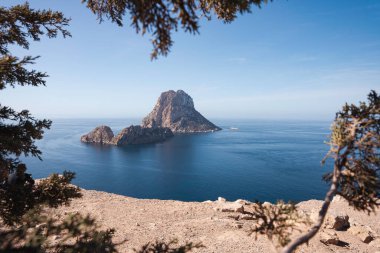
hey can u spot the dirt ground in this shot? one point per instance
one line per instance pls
(139, 221)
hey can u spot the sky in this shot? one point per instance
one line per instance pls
(292, 59)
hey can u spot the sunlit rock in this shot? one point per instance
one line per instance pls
(176, 111)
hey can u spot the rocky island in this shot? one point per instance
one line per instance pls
(101, 134)
(141, 135)
(128, 136)
(174, 112)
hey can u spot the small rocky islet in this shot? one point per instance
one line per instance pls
(128, 136)
(175, 110)
(174, 113)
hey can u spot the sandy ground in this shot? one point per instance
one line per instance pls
(139, 221)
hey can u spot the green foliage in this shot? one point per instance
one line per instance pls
(41, 233)
(276, 221)
(160, 18)
(56, 190)
(355, 146)
(21, 199)
(21, 194)
(18, 131)
(18, 24)
(16, 196)
(170, 247)
(13, 72)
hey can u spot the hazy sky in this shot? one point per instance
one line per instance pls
(292, 59)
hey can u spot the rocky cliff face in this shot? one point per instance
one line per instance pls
(176, 111)
(141, 135)
(128, 136)
(101, 134)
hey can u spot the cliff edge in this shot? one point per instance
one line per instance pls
(221, 226)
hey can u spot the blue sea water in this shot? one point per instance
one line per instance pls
(261, 160)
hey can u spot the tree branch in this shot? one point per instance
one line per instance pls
(321, 217)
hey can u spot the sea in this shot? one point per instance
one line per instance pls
(264, 160)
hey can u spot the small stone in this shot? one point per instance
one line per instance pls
(242, 201)
(220, 199)
(246, 217)
(364, 233)
(341, 223)
(267, 204)
(328, 237)
(207, 201)
(337, 198)
(230, 207)
(235, 217)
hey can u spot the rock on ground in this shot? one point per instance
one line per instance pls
(364, 233)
